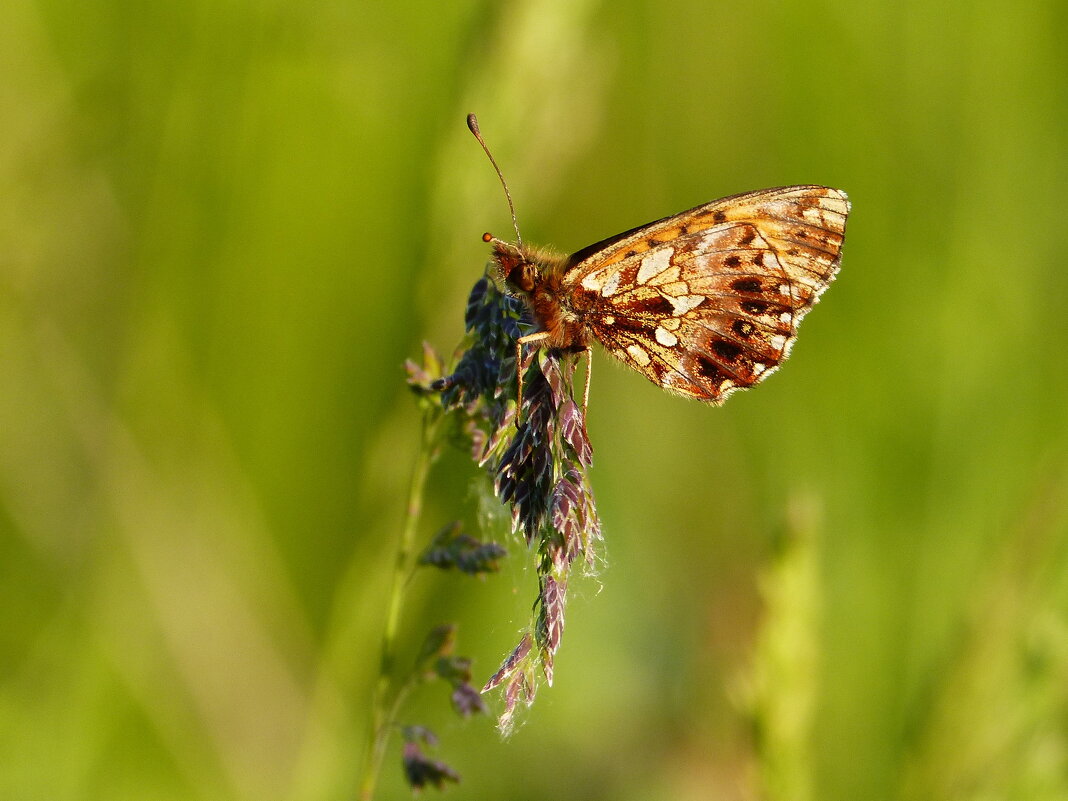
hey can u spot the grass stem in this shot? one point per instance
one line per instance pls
(383, 711)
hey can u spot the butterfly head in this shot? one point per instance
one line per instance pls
(517, 267)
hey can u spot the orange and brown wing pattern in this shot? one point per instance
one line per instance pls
(708, 301)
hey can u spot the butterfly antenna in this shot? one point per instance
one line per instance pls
(472, 123)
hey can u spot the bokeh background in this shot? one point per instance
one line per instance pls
(223, 227)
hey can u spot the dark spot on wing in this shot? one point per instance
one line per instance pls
(754, 306)
(743, 328)
(746, 285)
(630, 325)
(657, 306)
(728, 350)
(709, 369)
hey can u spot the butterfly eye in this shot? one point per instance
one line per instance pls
(522, 277)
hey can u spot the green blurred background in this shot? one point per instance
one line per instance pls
(224, 226)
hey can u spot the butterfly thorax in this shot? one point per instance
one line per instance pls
(534, 275)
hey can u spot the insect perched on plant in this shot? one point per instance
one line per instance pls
(702, 303)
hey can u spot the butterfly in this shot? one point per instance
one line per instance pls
(703, 303)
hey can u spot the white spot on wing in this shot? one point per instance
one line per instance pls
(654, 264)
(668, 276)
(592, 281)
(666, 338)
(637, 352)
(611, 285)
(685, 303)
(710, 240)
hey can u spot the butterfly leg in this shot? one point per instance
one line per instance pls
(589, 372)
(537, 336)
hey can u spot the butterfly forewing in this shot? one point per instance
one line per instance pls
(708, 301)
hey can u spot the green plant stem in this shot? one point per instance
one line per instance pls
(383, 712)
